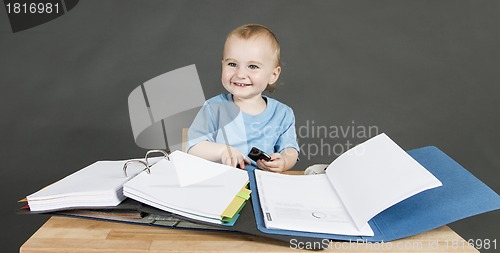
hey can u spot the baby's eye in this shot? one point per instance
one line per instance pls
(253, 66)
(231, 64)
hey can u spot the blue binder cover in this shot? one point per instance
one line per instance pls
(462, 195)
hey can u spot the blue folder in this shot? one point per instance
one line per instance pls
(462, 195)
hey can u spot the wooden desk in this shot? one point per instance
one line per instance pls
(63, 234)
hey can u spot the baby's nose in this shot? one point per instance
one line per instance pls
(241, 73)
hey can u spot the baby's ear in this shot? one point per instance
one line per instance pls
(275, 75)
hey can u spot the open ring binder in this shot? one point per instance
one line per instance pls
(135, 161)
(165, 154)
(145, 162)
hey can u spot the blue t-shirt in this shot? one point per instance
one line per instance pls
(221, 121)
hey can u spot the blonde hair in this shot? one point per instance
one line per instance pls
(253, 30)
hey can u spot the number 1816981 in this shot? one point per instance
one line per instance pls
(32, 8)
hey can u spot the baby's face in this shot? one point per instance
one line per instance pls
(248, 65)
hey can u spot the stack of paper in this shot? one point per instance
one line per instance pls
(97, 185)
(192, 187)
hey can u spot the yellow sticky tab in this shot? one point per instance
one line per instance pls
(233, 207)
(244, 193)
(236, 204)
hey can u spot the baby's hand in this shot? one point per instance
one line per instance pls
(277, 163)
(234, 157)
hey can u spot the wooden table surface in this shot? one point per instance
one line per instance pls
(64, 234)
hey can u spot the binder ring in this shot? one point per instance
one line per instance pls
(165, 154)
(136, 161)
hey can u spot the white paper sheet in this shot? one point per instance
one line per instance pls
(207, 198)
(304, 203)
(99, 184)
(191, 169)
(358, 185)
(375, 175)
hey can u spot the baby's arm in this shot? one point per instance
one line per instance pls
(281, 161)
(218, 152)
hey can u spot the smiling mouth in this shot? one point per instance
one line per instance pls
(242, 84)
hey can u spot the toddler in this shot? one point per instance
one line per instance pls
(229, 125)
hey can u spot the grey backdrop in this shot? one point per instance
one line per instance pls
(424, 72)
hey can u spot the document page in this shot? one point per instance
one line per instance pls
(191, 169)
(99, 184)
(375, 175)
(205, 199)
(304, 203)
